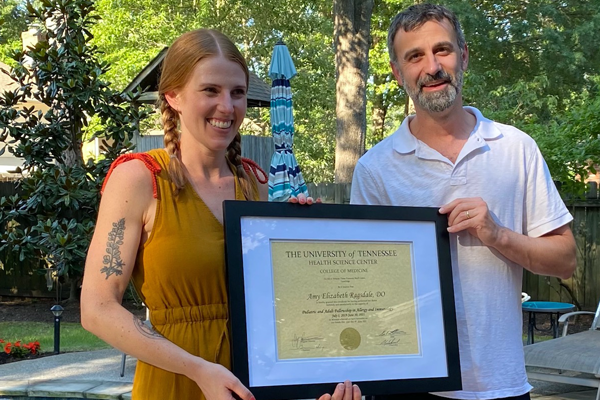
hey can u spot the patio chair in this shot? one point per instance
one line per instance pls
(578, 352)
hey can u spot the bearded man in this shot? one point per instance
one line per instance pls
(504, 212)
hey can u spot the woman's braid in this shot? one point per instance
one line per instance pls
(172, 136)
(234, 154)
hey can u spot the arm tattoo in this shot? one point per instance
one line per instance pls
(112, 261)
(146, 330)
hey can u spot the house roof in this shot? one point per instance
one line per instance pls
(259, 92)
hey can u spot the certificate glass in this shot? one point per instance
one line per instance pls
(324, 293)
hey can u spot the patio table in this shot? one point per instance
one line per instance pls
(552, 308)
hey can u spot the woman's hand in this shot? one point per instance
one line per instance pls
(302, 199)
(344, 391)
(218, 383)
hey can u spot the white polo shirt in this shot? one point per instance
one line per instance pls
(504, 167)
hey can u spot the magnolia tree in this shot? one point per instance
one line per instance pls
(52, 217)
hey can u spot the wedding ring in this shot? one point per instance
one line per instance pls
(468, 216)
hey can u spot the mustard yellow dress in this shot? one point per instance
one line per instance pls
(180, 275)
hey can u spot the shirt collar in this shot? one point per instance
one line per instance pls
(404, 141)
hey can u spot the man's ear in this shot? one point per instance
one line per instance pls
(396, 72)
(465, 58)
(172, 99)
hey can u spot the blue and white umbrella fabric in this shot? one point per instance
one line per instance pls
(285, 178)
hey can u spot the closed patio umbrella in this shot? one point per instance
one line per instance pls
(285, 178)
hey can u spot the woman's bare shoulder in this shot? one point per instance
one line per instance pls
(130, 180)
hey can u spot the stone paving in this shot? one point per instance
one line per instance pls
(92, 375)
(64, 389)
(583, 395)
(96, 375)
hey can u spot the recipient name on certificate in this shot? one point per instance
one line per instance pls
(343, 299)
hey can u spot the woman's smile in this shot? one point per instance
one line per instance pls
(217, 123)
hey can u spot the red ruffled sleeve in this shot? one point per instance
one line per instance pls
(148, 161)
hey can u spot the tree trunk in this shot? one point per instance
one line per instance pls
(352, 26)
(379, 111)
(74, 155)
(73, 292)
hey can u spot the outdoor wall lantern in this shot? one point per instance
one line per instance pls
(57, 311)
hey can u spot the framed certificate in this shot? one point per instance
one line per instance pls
(324, 293)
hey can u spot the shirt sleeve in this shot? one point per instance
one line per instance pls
(364, 188)
(545, 209)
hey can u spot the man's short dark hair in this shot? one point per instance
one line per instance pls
(415, 16)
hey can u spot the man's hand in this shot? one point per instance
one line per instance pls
(344, 391)
(473, 215)
(553, 253)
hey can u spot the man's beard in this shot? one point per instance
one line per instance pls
(436, 101)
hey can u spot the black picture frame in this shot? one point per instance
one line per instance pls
(238, 214)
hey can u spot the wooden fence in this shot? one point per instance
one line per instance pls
(338, 193)
(23, 278)
(258, 148)
(583, 288)
(7, 188)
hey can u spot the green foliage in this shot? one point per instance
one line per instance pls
(520, 41)
(13, 21)
(571, 144)
(132, 32)
(567, 134)
(386, 99)
(72, 336)
(528, 61)
(52, 217)
(534, 65)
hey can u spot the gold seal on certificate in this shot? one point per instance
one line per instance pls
(350, 339)
(343, 299)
